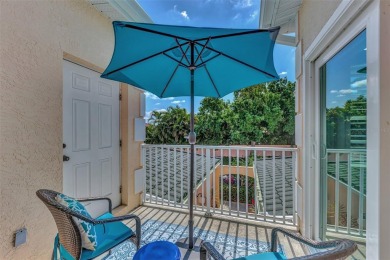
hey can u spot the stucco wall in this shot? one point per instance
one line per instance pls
(131, 156)
(312, 17)
(34, 35)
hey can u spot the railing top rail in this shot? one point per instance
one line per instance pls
(227, 147)
(346, 150)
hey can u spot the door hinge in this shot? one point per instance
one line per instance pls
(120, 189)
(120, 97)
(120, 143)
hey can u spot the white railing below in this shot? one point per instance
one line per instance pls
(346, 191)
(248, 182)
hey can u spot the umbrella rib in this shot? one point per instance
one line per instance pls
(177, 61)
(212, 81)
(155, 32)
(239, 61)
(207, 71)
(174, 72)
(141, 60)
(239, 33)
(204, 62)
(169, 81)
(183, 52)
(201, 52)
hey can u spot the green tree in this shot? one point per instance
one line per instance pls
(168, 127)
(264, 113)
(213, 124)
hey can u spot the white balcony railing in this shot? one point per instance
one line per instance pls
(256, 183)
(346, 194)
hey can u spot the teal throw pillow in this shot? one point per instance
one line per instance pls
(87, 230)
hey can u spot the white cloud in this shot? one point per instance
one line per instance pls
(168, 98)
(236, 16)
(334, 102)
(253, 16)
(177, 102)
(333, 91)
(347, 91)
(340, 96)
(161, 110)
(151, 96)
(241, 4)
(283, 73)
(359, 83)
(185, 15)
(158, 104)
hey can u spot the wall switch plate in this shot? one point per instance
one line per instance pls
(20, 237)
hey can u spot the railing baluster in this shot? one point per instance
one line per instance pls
(337, 197)
(230, 182)
(264, 186)
(203, 171)
(188, 175)
(273, 186)
(208, 166)
(156, 175)
(237, 183)
(284, 185)
(150, 175)
(221, 180)
(174, 177)
(169, 175)
(255, 179)
(214, 179)
(163, 157)
(349, 193)
(144, 168)
(181, 177)
(361, 192)
(246, 184)
(294, 172)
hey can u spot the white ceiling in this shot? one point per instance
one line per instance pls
(121, 10)
(281, 13)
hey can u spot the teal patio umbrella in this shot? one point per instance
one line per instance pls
(172, 61)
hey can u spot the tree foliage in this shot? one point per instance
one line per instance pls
(262, 113)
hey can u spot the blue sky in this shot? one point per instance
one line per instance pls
(211, 13)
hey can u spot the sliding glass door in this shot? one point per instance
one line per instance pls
(343, 103)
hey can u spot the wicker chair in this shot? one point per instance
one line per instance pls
(341, 249)
(70, 245)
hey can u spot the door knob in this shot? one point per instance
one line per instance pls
(63, 146)
(65, 158)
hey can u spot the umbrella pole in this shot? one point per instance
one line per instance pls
(192, 140)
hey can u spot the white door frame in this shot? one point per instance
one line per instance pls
(337, 32)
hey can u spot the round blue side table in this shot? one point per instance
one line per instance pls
(161, 250)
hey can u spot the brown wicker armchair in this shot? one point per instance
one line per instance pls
(340, 249)
(68, 232)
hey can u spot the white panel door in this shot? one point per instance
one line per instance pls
(91, 134)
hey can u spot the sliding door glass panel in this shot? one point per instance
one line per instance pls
(343, 87)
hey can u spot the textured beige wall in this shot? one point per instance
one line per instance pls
(313, 14)
(131, 156)
(33, 37)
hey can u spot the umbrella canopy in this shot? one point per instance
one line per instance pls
(172, 61)
(157, 58)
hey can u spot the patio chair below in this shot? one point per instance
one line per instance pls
(109, 230)
(340, 249)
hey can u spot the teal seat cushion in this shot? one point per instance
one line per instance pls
(263, 256)
(108, 236)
